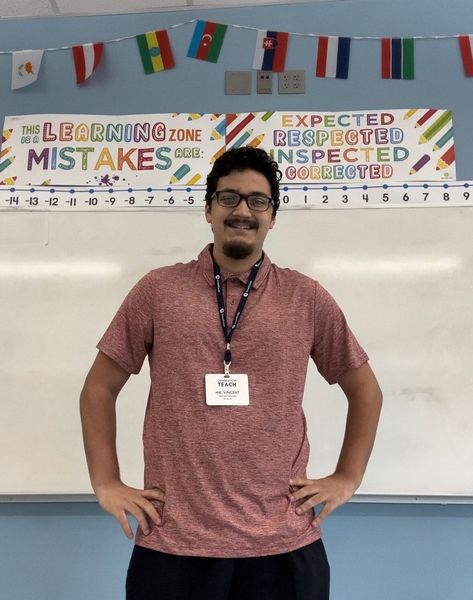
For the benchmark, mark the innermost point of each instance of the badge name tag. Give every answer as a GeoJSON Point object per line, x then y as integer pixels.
{"type": "Point", "coordinates": [226, 391]}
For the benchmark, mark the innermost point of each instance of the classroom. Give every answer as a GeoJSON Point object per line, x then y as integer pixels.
{"type": "Point", "coordinates": [395, 253]}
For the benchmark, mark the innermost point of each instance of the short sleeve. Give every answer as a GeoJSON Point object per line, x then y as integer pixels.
{"type": "Point", "coordinates": [335, 349]}
{"type": "Point", "coordinates": [129, 337]}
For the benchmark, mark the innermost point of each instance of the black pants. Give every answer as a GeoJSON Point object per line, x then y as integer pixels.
{"type": "Point", "coordinates": [303, 574]}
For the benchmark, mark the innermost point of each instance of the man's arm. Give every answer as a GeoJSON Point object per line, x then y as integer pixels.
{"type": "Point", "coordinates": [97, 408]}
{"type": "Point", "coordinates": [364, 406]}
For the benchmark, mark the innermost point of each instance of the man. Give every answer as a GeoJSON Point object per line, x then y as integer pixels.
{"type": "Point", "coordinates": [227, 512]}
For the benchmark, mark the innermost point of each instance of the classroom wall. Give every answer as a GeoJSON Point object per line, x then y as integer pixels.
{"type": "Point", "coordinates": [376, 552]}
{"type": "Point", "coordinates": [73, 551]}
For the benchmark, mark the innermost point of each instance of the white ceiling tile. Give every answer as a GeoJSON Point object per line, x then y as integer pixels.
{"type": "Point", "coordinates": [217, 3]}
{"type": "Point", "coordinates": [46, 8]}
{"type": "Point", "coordinates": [72, 7]}
{"type": "Point", "coordinates": [25, 8]}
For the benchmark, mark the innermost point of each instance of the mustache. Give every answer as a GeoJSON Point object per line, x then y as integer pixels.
{"type": "Point", "coordinates": [249, 222]}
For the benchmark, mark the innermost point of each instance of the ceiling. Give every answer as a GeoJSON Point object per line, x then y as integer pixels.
{"type": "Point", "coordinates": [26, 9]}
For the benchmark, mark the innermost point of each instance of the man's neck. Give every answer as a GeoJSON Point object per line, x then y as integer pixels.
{"type": "Point", "coordinates": [234, 265]}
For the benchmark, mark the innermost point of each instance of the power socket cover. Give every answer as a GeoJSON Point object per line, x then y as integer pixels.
{"type": "Point", "coordinates": [237, 82]}
{"type": "Point", "coordinates": [264, 82]}
{"type": "Point", "coordinates": [291, 82]}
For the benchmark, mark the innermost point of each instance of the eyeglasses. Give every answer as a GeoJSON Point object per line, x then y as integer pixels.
{"type": "Point", "coordinates": [257, 202]}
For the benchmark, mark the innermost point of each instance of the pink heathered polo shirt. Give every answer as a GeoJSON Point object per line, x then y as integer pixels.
{"type": "Point", "coordinates": [225, 470]}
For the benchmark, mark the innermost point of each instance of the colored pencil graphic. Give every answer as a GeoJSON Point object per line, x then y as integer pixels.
{"type": "Point", "coordinates": [419, 164]}
{"type": "Point", "coordinates": [8, 181]}
{"type": "Point", "coordinates": [6, 163]}
{"type": "Point", "coordinates": [219, 130]}
{"type": "Point", "coordinates": [267, 115]}
{"type": "Point", "coordinates": [241, 125]}
{"type": "Point", "coordinates": [444, 139]}
{"type": "Point", "coordinates": [425, 117]}
{"type": "Point", "coordinates": [218, 154]}
{"type": "Point", "coordinates": [242, 139]}
{"type": "Point", "coordinates": [409, 113]}
{"type": "Point", "coordinates": [446, 159]}
{"type": "Point", "coordinates": [193, 116]}
{"type": "Point", "coordinates": [256, 141]}
{"type": "Point", "coordinates": [179, 174]}
{"type": "Point", "coordinates": [194, 179]}
{"type": "Point", "coordinates": [5, 151]}
{"type": "Point", "coordinates": [6, 135]}
{"type": "Point", "coordinates": [436, 127]}
{"type": "Point", "coordinates": [230, 117]}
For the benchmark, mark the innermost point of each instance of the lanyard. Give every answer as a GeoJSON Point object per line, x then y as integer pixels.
{"type": "Point", "coordinates": [227, 360]}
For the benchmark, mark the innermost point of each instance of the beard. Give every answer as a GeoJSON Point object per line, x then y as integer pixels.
{"type": "Point", "coordinates": [237, 250]}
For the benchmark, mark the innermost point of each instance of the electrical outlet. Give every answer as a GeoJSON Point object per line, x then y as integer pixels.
{"type": "Point", "coordinates": [237, 82]}
{"type": "Point", "coordinates": [264, 82]}
{"type": "Point", "coordinates": [291, 82]}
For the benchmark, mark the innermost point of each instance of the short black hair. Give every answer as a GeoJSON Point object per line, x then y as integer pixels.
{"type": "Point", "coordinates": [239, 159]}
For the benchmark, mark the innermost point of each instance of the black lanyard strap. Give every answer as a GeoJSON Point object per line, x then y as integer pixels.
{"type": "Point", "coordinates": [241, 305]}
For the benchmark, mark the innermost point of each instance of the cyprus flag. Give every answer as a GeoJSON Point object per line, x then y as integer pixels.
{"type": "Point", "coordinates": [25, 67]}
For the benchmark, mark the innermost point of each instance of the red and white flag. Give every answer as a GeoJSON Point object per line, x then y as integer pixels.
{"type": "Point", "coordinates": [25, 67]}
{"type": "Point", "coordinates": [333, 56]}
{"type": "Point", "coordinates": [466, 49]}
{"type": "Point", "coordinates": [86, 60]}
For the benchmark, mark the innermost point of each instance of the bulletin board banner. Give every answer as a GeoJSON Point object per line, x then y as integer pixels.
{"type": "Point", "coordinates": [178, 149]}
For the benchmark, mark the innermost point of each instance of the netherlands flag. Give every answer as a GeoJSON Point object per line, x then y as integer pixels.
{"type": "Point", "coordinates": [397, 58]}
{"type": "Point", "coordinates": [270, 52]}
{"type": "Point", "coordinates": [86, 60]}
{"type": "Point", "coordinates": [466, 45]}
{"type": "Point", "coordinates": [333, 56]}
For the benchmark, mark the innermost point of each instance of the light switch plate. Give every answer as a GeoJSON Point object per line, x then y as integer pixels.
{"type": "Point", "coordinates": [264, 82]}
{"type": "Point", "coordinates": [291, 82]}
{"type": "Point", "coordinates": [237, 82]}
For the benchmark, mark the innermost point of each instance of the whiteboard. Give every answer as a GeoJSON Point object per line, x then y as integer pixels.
{"type": "Point", "coordinates": [403, 276]}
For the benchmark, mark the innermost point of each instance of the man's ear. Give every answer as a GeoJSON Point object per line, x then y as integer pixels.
{"type": "Point", "coordinates": [273, 222]}
{"type": "Point", "coordinates": [208, 212]}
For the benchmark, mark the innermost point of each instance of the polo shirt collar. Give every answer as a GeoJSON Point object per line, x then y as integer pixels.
{"type": "Point", "coordinates": [206, 265]}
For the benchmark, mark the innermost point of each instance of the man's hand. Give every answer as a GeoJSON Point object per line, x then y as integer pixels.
{"type": "Point", "coordinates": [332, 491]}
{"type": "Point", "coordinates": [118, 499]}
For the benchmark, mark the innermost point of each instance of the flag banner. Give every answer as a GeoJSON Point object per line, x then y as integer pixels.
{"type": "Point", "coordinates": [207, 41]}
{"type": "Point", "coordinates": [86, 59]}
{"type": "Point", "coordinates": [397, 58]}
{"type": "Point", "coordinates": [25, 67]}
{"type": "Point", "coordinates": [466, 46]}
{"type": "Point", "coordinates": [155, 51]}
{"type": "Point", "coordinates": [270, 51]}
{"type": "Point", "coordinates": [179, 149]}
{"type": "Point", "coordinates": [333, 57]}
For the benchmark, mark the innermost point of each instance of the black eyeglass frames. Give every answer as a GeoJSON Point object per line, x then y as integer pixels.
{"type": "Point", "coordinates": [228, 199]}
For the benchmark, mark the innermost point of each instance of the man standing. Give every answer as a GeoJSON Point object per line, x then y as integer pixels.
{"type": "Point", "coordinates": [227, 510]}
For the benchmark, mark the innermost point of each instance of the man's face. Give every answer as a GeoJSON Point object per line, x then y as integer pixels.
{"type": "Point", "coordinates": [240, 232]}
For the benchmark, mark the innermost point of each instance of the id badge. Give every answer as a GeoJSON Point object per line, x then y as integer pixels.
{"type": "Point", "coordinates": [226, 391]}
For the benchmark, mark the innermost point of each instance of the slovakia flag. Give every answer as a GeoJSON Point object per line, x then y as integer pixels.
{"type": "Point", "coordinates": [270, 52]}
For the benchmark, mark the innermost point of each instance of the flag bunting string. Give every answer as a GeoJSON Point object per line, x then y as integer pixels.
{"type": "Point", "coordinates": [234, 25]}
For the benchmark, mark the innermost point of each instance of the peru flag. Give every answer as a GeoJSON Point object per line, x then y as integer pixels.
{"type": "Point", "coordinates": [270, 52]}
{"type": "Point", "coordinates": [86, 60]}
{"type": "Point", "coordinates": [466, 45]}
{"type": "Point", "coordinates": [333, 56]}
